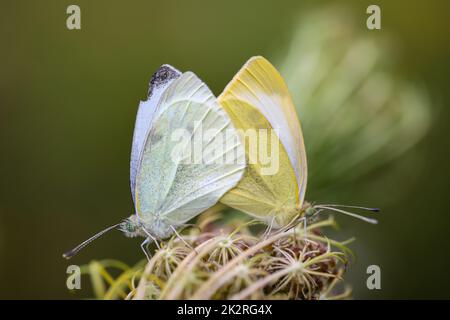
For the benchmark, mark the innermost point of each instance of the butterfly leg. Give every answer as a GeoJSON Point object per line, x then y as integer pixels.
{"type": "Point", "coordinates": [302, 220]}
{"type": "Point", "coordinates": [181, 238]}
{"type": "Point", "coordinates": [153, 238]}
{"type": "Point", "coordinates": [144, 246]}
{"type": "Point", "coordinates": [269, 228]}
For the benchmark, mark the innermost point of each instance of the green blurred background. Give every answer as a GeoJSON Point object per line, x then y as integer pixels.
{"type": "Point", "coordinates": [68, 100]}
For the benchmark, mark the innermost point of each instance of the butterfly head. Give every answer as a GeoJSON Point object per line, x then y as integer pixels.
{"type": "Point", "coordinates": [131, 227]}
{"type": "Point", "coordinates": [309, 212]}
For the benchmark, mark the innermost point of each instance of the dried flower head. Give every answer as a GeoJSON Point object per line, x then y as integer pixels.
{"type": "Point", "coordinates": [216, 259]}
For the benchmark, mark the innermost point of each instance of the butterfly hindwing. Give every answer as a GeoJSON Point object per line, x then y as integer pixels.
{"type": "Point", "coordinates": [259, 193]}
{"type": "Point", "coordinates": [171, 188]}
{"type": "Point", "coordinates": [259, 84]}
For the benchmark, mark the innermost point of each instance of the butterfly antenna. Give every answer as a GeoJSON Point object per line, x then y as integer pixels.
{"type": "Point", "coordinates": [354, 215]}
{"type": "Point", "coordinates": [351, 207]}
{"type": "Point", "coordinates": [74, 251]}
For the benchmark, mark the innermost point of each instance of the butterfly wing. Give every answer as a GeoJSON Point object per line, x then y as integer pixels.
{"type": "Point", "coordinates": [160, 81]}
{"type": "Point", "coordinates": [260, 194]}
{"type": "Point", "coordinates": [260, 85]}
{"type": "Point", "coordinates": [171, 188]}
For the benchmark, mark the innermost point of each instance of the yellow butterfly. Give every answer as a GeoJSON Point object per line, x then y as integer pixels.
{"type": "Point", "coordinates": [259, 104]}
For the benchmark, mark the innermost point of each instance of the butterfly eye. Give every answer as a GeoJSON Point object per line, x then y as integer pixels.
{"type": "Point", "coordinates": [309, 212]}
{"type": "Point", "coordinates": [129, 226]}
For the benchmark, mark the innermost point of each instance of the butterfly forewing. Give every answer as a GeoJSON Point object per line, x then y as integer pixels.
{"type": "Point", "coordinates": [174, 182]}
{"type": "Point", "coordinates": [159, 82]}
{"type": "Point", "coordinates": [259, 84]}
{"type": "Point", "coordinates": [260, 194]}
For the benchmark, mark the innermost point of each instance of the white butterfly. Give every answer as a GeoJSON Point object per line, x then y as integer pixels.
{"type": "Point", "coordinates": [168, 190]}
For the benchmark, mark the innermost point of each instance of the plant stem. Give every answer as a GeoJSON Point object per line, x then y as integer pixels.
{"type": "Point", "coordinates": [140, 291]}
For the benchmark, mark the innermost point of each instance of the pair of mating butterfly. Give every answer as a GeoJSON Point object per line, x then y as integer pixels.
{"type": "Point", "coordinates": [167, 192]}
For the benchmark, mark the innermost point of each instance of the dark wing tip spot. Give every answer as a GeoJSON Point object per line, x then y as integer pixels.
{"type": "Point", "coordinates": [164, 74]}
